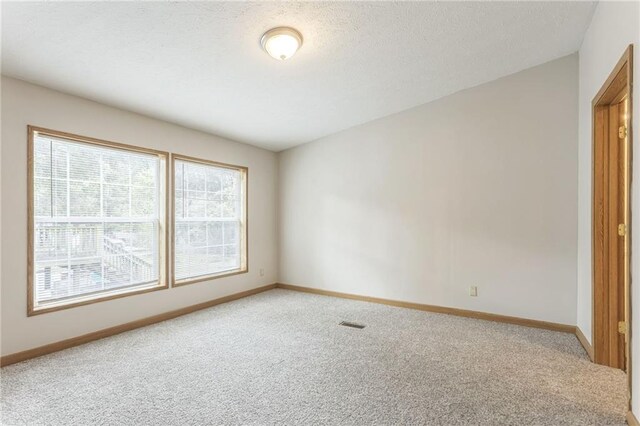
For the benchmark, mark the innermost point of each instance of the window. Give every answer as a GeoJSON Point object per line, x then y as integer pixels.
{"type": "Point", "coordinates": [209, 226]}
{"type": "Point", "coordinates": [97, 220]}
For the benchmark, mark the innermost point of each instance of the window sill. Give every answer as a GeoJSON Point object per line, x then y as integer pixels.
{"type": "Point", "coordinates": [87, 300]}
{"type": "Point", "coordinates": [186, 281]}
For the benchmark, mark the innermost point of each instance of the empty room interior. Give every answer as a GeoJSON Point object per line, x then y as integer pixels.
{"type": "Point", "coordinates": [319, 213]}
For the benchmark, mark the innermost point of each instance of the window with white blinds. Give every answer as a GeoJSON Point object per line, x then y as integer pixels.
{"type": "Point", "coordinates": [98, 220]}
{"type": "Point", "coordinates": [209, 220]}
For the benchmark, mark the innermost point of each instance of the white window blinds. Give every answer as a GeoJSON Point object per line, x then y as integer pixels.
{"type": "Point", "coordinates": [97, 219]}
{"type": "Point", "coordinates": [209, 220]}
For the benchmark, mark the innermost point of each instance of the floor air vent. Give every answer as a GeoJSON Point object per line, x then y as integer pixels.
{"type": "Point", "coordinates": [351, 324]}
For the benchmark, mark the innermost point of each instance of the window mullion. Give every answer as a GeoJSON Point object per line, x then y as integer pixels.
{"type": "Point", "coordinates": [206, 214]}
{"type": "Point", "coordinates": [69, 233]}
{"type": "Point", "coordinates": [101, 242]}
{"type": "Point", "coordinates": [130, 227]}
{"type": "Point", "coordinates": [51, 176]}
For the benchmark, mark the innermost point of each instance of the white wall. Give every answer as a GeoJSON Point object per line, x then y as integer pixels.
{"type": "Point", "coordinates": [478, 188]}
{"type": "Point", "coordinates": [614, 26]}
{"type": "Point", "coordinates": [24, 104]}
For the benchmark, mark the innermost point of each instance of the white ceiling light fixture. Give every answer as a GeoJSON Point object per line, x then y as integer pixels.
{"type": "Point", "coordinates": [281, 43]}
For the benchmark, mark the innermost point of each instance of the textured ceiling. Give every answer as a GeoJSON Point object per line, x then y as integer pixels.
{"type": "Point", "coordinates": [199, 64]}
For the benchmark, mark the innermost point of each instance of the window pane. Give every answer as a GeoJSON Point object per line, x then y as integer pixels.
{"type": "Point", "coordinates": [116, 200]}
{"type": "Point", "coordinates": [209, 219]}
{"type": "Point", "coordinates": [96, 225]}
{"type": "Point", "coordinates": [60, 193]}
{"type": "Point", "coordinates": [42, 193]}
{"type": "Point", "coordinates": [144, 204]}
{"type": "Point", "coordinates": [84, 198]}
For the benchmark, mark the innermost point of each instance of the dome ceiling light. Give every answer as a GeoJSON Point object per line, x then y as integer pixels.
{"type": "Point", "coordinates": [281, 43]}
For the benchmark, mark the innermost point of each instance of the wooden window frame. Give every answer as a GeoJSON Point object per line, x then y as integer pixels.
{"type": "Point", "coordinates": [244, 231]}
{"type": "Point", "coordinates": [163, 246]}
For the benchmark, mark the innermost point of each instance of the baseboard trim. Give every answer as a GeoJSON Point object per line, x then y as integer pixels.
{"type": "Point", "coordinates": [631, 419]}
{"type": "Point", "coordinates": [438, 309]}
{"type": "Point", "coordinates": [585, 343]}
{"type": "Point", "coordinates": [111, 331]}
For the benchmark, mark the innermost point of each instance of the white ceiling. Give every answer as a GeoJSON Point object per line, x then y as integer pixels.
{"type": "Point", "coordinates": [199, 64]}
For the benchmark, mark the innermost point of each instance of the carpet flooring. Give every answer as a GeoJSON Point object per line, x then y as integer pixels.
{"type": "Point", "coordinates": [280, 357]}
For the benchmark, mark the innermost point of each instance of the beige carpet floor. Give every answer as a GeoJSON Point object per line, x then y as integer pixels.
{"type": "Point", "coordinates": [280, 357]}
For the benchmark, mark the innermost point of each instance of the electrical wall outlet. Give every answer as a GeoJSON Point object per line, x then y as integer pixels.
{"type": "Point", "coordinates": [473, 291]}
{"type": "Point", "coordinates": [262, 272]}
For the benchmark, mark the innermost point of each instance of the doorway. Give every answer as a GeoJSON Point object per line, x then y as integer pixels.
{"type": "Point", "coordinates": [611, 237]}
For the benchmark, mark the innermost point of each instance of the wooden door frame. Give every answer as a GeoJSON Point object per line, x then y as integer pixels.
{"type": "Point", "coordinates": [621, 78]}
